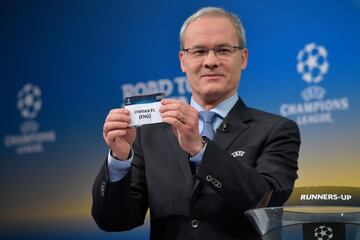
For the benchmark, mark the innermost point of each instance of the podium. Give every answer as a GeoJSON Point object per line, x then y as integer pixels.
{"type": "Point", "coordinates": [310, 213]}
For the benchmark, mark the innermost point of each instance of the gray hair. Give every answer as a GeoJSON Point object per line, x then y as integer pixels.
{"type": "Point", "coordinates": [216, 12]}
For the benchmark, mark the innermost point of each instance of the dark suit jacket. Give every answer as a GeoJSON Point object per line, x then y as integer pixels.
{"type": "Point", "coordinates": [210, 203]}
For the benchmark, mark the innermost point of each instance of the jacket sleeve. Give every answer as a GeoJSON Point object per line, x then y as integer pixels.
{"type": "Point", "coordinates": [121, 205]}
{"type": "Point", "coordinates": [243, 186]}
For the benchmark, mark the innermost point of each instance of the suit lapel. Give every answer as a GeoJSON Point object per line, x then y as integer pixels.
{"type": "Point", "coordinates": [181, 156]}
{"type": "Point", "coordinates": [236, 118]}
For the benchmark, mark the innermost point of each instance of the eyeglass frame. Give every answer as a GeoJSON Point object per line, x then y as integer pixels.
{"type": "Point", "coordinates": [235, 48]}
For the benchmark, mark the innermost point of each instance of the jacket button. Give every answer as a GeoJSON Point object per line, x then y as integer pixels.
{"type": "Point", "coordinates": [214, 181]}
{"type": "Point", "coordinates": [102, 188]}
{"type": "Point", "coordinates": [195, 223]}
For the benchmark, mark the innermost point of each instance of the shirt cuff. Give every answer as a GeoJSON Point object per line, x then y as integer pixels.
{"type": "Point", "coordinates": [196, 159]}
{"type": "Point", "coordinates": [118, 169]}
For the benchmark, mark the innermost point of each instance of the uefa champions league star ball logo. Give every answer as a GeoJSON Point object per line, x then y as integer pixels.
{"type": "Point", "coordinates": [30, 139]}
{"type": "Point", "coordinates": [312, 63]}
{"type": "Point", "coordinates": [29, 101]}
{"type": "Point", "coordinates": [323, 233]}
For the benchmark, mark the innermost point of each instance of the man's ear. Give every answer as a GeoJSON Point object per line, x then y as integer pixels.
{"type": "Point", "coordinates": [244, 58]}
{"type": "Point", "coordinates": [181, 58]}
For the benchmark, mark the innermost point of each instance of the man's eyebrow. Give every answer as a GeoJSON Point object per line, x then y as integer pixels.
{"type": "Point", "coordinates": [199, 46]}
{"type": "Point", "coordinates": [224, 45]}
{"type": "Point", "coordinates": [218, 45]}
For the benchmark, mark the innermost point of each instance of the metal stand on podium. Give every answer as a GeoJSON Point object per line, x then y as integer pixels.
{"type": "Point", "coordinates": [311, 213]}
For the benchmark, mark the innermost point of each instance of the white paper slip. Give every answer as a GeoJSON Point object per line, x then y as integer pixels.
{"type": "Point", "coordinates": [144, 109]}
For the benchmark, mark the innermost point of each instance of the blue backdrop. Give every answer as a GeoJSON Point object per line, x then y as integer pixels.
{"type": "Point", "coordinates": [65, 64]}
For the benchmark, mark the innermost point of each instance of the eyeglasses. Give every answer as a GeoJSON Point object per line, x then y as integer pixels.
{"type": "Point", "coordinates": [221, 52]}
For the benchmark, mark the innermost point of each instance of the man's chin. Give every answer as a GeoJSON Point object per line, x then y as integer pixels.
{"type": "Point", "coordinates": [213, 95]}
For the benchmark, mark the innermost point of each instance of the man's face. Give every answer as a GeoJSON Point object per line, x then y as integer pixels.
{"type": "Point", "coordinates": [212, 79]}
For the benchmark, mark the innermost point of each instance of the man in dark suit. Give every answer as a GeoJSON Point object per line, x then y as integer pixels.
{"type": "Point", "coordinates": [210, 160]}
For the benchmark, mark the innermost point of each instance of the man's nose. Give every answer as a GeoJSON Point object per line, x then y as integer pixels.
{"type": "Point", "coordinates": [211, 61]}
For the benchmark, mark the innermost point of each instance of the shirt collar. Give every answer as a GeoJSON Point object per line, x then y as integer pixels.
{"type": "Point", "coordinates": [222, 109]}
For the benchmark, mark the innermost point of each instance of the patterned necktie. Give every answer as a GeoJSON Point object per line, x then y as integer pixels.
{"type": "Point", "coordinates": [208, 118]}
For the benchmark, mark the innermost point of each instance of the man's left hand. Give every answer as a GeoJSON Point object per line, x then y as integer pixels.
{"type": "Point", "coordinates": [185, 122]}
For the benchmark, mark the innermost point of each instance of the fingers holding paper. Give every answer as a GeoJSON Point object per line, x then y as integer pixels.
{"type": "Point", "coordinates": [184, 120]}
{"type": "Point", "coordinates": [118, 134]}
